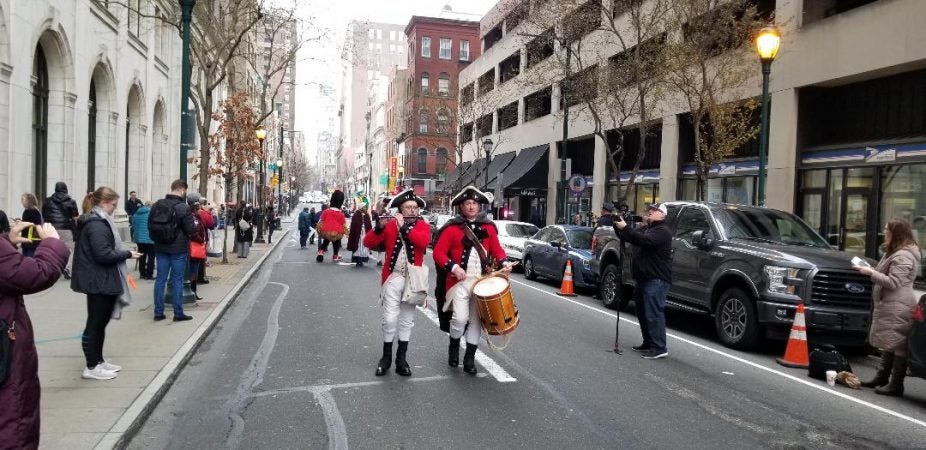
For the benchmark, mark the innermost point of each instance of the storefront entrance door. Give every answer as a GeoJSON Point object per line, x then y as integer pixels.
{"type": "Point", "coordinates": [854, 226]}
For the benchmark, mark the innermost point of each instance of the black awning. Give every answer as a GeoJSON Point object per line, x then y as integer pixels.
{"type": "Point", "coordinates": [456, 174]}
{"type": "Point", "coordinates": [529, 169]}
{"type": "Point", "coordinates": [499, 164]}
{"type": "Point", "coordinates": [475, 170]}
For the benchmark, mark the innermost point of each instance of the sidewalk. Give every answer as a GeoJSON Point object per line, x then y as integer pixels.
{"type": "Point", "coordinates": [78, 413]}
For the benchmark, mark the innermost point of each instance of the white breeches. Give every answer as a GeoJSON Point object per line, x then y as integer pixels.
{"type": "Point", "coordinates": [397, 315]}
{"type": "Point", "coordinates": [464, 312]}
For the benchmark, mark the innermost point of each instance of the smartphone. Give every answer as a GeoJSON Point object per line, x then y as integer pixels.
{"type": "Point", "coordinates": [31, 234]}
{"type": "Point", "coordinates": [860, 262]}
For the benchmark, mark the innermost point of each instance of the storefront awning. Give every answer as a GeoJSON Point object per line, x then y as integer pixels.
{"type": "Point", "coordinates": [454, 176]}
{"type": "Point", "coordinates": [528, 170]}
{"type": "Point", "coordinates": [499, 164]}
{"type": "Point", "coordinates": [475, 170]}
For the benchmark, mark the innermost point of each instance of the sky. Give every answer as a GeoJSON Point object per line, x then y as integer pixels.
{"type": "Point", "coordinates": [319, 60]}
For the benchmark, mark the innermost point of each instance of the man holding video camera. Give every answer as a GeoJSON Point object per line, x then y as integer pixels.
{"type": "Point", "coordinates": [652, 271]}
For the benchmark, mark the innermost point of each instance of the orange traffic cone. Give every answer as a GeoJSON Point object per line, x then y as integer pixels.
{"type": "Point", "coordinates": [567, 289]}
{"type": "Point", "coordinates": [796, 354]}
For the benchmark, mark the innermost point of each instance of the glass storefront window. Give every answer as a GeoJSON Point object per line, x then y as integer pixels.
{"type": "Point", "coordinates": [814, 179]}
{"type": "Point", "coordinates": [715, 190]}
{"type": "Point", "coordinates": [903, 196]}
{"type": "Point", "coordinates": [739, 190]}
{"type": "Point", "coordinates": [860, 177]}
{"type": "Point", "coordinates": [688, 190]}
{"type": "Point", "coordinates": [835, 208]}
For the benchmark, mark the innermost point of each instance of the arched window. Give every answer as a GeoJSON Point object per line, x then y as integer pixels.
{"type": "Point", "coordinates": [441, 160]}
{"type": "Point", "coordinates": [423, 121]}
{"type": "Point", "coordinates": [422, 160]}
{"type": "Point", "coordinates": [443, 121]}
{"type": "Point", "coordinates": [425, 83]}
{"type": "Point", "coordinates": [443, 84]}
{"type": "Point", "coordinates": [40, 121]}
{"type": "Point", "coordinates": [91, 139]}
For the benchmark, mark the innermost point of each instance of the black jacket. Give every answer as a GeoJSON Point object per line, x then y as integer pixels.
{"type": "Point", "coordinates": [60, 209]}
{"type": "Point", "coordinates": [652, 257]}
{"type": "Point", "coordinates": [131, 206]}
{"type": "Point", "coordinates": [185, 224]}
{"type": "Point", "coordinates": [96, 258]}
{"type": "Point", "coordinates": [606, 220]}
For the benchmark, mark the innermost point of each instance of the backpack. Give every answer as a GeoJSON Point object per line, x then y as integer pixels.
{"type": "Point", "coordinates": [162, 223]}
{"type": "Point", "coordinates": [825, 358]}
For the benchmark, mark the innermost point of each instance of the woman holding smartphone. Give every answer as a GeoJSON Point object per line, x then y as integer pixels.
{"type": "Point", "coordinates": [100, 272]}
{"type": "Point", "coordinates": [32, 215]}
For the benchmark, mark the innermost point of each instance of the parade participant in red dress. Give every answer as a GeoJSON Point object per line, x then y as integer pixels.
{"type": "Point", "coordinates": [406, 238]}
{"type": "Point", "coordinates": [331, 227]}
{"type": "Point", "coordinates": [457, 255]}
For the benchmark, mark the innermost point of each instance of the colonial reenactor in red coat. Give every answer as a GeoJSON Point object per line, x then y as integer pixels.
{"type": "Point", "coordinates": [459, 256]}
{"type": "Point", "coordinates": [406, 238]}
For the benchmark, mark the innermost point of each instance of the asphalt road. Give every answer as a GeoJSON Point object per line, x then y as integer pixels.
{"type": "Point", "coordinates": [291, 366]}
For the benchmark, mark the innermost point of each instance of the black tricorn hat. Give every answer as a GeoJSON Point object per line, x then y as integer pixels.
{"type": "Point", "coordinates": [337, 199]}
{"type": "Point", "coordinates": [405, 196]}
{"type": "Point", "coordinates": [469, 193]}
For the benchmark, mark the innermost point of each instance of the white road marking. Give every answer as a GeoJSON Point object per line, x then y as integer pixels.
{"type": "Point", "coordinates": [822, 388]}
{"type": "Point", "coordinates": [289, 390]}
{"type": "Point", "coordinates": [484, 360]}
{"type": "Point", "coordinates": [337, 431]}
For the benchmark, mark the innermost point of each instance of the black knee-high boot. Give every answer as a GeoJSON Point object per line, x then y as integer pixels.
{"type": "Point", "coordinates": [898, 373]}
{"type": "Point", "coordinates": [386, 361]}
{"type": "Point", "coordinates": [401, 365]}
{"type": "Point", "coordinates": [469, 359]}
{"type": "Point", "coordinates": [454, 358]}
{"type": "Point", "coordinates": [884, 371]}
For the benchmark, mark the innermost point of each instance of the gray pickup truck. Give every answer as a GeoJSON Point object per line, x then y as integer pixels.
{"type": "Point", "coordinates": [749, 268]}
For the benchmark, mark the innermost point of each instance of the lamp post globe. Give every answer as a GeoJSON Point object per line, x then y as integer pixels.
{"type": "Point", "coordinates": [768, 42]}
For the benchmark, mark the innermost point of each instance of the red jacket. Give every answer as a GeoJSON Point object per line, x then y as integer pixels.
{"type": "Point", "coordinates": [206, 218]}
{"type": "Point", "coordinates": [418, 236]}
{"type": "Point", "coordinates": [450, 247]}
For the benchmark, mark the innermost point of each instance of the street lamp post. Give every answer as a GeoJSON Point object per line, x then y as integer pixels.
{"type": "Point", "coordinates": [186, 116]}
{"type": "Point", "coordinates": [279, 186]}
{"type": "Point", "coordinates": [261, 134]}
{"type": "Point", "coordinates": [487, 146]}
{"type": "Point", "coordinates": [767, 44]}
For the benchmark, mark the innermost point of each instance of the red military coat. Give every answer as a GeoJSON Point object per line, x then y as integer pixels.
{"type": "Point", "coordinates": [450, 248]}
{"type": "Point", "coordinates": [419, 235]}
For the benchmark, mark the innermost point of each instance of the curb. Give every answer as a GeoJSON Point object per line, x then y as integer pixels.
{"type": "Point", "coordinates": [134, 417]}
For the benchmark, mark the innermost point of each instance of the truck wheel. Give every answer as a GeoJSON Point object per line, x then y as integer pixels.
{"type": "Point", "coordinates": [529, 272]}
{"type": "Point", "coordinates": [735, 319]}
{"type": "Point", "coordinates": [611, 288]}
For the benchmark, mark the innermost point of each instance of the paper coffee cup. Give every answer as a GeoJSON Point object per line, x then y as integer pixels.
{"type": "Point", "coordinates": [831, 377]}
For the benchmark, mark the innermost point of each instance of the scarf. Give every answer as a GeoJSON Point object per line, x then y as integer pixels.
{"type": "Point", "coordinates": [126, 298]}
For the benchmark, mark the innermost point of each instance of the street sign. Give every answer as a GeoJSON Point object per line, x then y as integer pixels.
{"type": "Point", "coordinates": [577, 183]}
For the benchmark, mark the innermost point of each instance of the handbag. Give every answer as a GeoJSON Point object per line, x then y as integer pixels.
{"type": "Point", "coordinates": [243, 225]}
{"type": "Point", "coordinates": [7, 336]}
{"type": "Point", "coordinates": [416, 285]}
{"type": "Point", "coordinates": [826, 358]}
{"type": "Point", "coordinates": [198, 250]}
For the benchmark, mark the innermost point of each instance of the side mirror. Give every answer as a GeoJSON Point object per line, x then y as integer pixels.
{"type": "Point", "coordinates": [700, 241]}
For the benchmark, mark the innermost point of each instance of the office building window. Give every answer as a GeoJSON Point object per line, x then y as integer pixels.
{"type": "Point", "coordinates": [443, 85]}
{"type": "Point", "coordinates": [445, 45]}
{"type": "Point", "coordinates": [425, 84]}
{"type": "Point", "coordinates": [423, 121]}
{"type": "Point", "coordinates": [422, 160]}
{"type": "Point", "coordinates": [425, 47]}
{"type": "Point", "coordinates": [464, 50]}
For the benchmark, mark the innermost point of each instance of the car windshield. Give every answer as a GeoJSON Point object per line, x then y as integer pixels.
{"type": "Point", "coordinates": [580, 238]}
{"type": "Point", "coordinates": [768, 225]}
{"type": "Point", "coordinates": [520, 230]}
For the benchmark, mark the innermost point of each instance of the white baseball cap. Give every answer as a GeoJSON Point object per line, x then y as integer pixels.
{"type": "Point", "coordinates": [659, 207]}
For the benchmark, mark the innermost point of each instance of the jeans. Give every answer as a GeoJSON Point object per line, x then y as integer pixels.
{"type": "Point", "coordinates": [99, 311]}
{"type": "Point", "coordinates": [303, 236]}
{"type": "Point", "coordinates": [173, 264]}
{"type": "Point", "coordinates": [650, 298]}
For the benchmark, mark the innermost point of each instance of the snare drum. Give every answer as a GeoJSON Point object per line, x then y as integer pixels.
{"type": "Point", "coordinates": [495, 305]}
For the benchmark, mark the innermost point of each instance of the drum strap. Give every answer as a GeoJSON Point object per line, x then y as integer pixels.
{"type": "Point", "coordinates": [483, 256]}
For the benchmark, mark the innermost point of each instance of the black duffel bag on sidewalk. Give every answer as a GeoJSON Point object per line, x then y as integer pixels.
{"type": "Point", "coordinates": [825, 358]}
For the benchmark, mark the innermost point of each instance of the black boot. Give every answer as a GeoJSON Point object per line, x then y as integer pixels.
{"type": "Point", "coordinates": [898, 373]}
{"type": "Point", "coordinates": [469, 359]}
{"type": "Point", "coordinates": [401, 365]}
{"type": "Point", "coordinates": [454, 359]}
{"type": "Point", "coordinates": [884, 371]}
{"type": "Point", "coordinates": [386, 361]}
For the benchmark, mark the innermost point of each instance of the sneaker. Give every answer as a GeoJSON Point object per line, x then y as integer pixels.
{"type": "Point", "coordinates": [98, 373]}
{"type": "Point", "coordinates": [653, 354]}
{"type": "Point", "coordinates": [640, 348]}
{"type": "Point", "coordinates": [109, 366]}
{"type": "Point", "coordinates": [320, 257]}
{"type": "Point", "coordinates": [336, 258]}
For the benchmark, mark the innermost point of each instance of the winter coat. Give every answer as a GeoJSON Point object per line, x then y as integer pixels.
{"type": "Point", "coordinates": [132, 206]}
{"type": "Point", "coordinates": [205, 217]}
{"type": "Point", "coordinates": [332, 224]}
{"type": "Point", "coordinates": [60, 209]}
{"type": "Point", "coordinates": [412, 239]}
{"type": "Point", "coordinates": [96, 260]}
{"type": "Point", "coordinates": [140, 226]}
{"type": "Point", "coordinates": [453, 247]}
{"type": "Point", "coordinates": [358, 223]}
{"type": "Point", "coordinates": [19, 396]}
{"type": "Point", "coordinates": [652, 255]}
{"type": "Point", "coordinates": [305, 221]}
{"type": "Point", "coordinates": [894, 299]}
{"type": "Point", "coordinates": [248, 215]}
{"type": "Point", "coordinates": [185, 227]}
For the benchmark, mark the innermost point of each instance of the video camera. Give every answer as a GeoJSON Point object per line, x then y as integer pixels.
{"type": "Point", "coordinates": [623, 210]}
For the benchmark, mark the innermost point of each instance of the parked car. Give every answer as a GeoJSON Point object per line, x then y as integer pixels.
{"type": "Point", "coordinates": [749, 268]}
{"type": "Point", "coordinates": [546, 252]}
{"type": "Point", "coordinates": [512, 235]}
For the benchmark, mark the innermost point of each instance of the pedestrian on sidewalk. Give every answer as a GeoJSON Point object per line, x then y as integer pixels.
{"type": "Point", "coordinates": [101, 274]}
{"type": "Point", "coordinates": [270, 221]}
{"type": "Point", "coordinates": [304, 227]}
{"type": "Point", "coordinates": [894, 301]}
{"type": "Point", "coordinates": [652, 270]}
{"type": "Point", "coordinates": [131, 207]}
{"type": "Point", "coordinates": [61, 211]}
{"type": "Point", "coordinates": [244, 227]}
{"type": "Point", "coordinates": [32, 215]}
{"type": "Point", "coordinates": [315, 218]}
{"type": "Point", "coordinates": [170, 224]}
{"type": "Point", "coordinates": [197, 249]}
{"type": "Point", "coordinates": [207, 218]}
{"type": "Point", "coordinates": [406, 238]}
{"type": "Point", "coordinates": [143, 239]}
{"type": "Point", "coordinates": [359, 224]}
{"type": "Point", "coordinates": [19, 275]}
{"type": "Point", "coordinates": [331, 227]}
